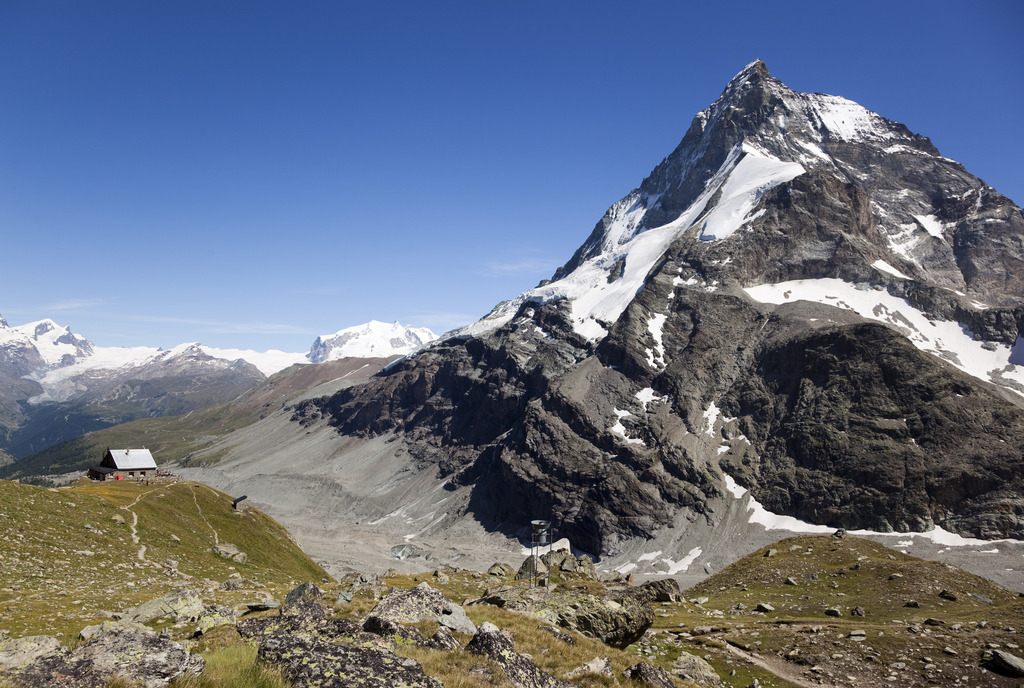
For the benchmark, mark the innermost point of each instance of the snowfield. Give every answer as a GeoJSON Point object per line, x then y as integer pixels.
{"type": "Point", "coordinates": [952, 342]}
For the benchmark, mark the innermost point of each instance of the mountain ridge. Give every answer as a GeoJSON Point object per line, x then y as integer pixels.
{"type": "Point", "coordinates": [57, 384]}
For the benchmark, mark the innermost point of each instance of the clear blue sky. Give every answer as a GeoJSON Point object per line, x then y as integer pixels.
{"type": "Point", "coordinates": [252, 174]}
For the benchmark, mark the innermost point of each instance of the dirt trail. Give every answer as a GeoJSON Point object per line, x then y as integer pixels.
{"type": "Point", "coordinates": [779, 667]}
{"type": "Point", "coordinates": [135, 523]}
{"type": "Point", "coordinates": [216, 537]}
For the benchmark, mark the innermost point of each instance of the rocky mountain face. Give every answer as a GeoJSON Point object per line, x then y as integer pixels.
{"type": "Point", "coordinates": [804, 297]}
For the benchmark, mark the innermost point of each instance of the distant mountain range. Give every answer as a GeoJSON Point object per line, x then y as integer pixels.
{"type": "Point", "coordinates": [55, 384]}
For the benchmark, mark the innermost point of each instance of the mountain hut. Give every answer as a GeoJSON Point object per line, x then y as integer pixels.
{"type": "Point", "coordinates": [119, 464]}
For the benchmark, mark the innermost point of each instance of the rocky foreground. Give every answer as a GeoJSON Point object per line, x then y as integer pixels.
{"type": "Point", "coordinates": [807, 611]}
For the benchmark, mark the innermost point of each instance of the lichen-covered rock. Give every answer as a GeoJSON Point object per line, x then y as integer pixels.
{"type": "Point", "coordinates": [695, 669]}
{"type": "Point", "coordinates": [501, 570]}
{"type": "Point", "coordinates": [90, 632]}
{"type": "Point", "coordinates": [133, 656]}
{"type": "Point", "coordinates": [422, 603]}
{"type": "Point", "coordinates": [17, 652]}
{"type": "Point", "coordinates": [491, 642]}
{"type": "Point", "coordinates": [664, 590]}
{"type": "Point", "coordinates": [229, 551]}
{"type": "Point", "coordinates": [305, 601]}
{"type": "Point", "coordinates": [180, 605]}
{"type": "Point", "coordinates": [213, 616]}
{"type": "Point", "coordinates": [558, 633]}
{"type": "Point", "coordinates": [649, 675]}
{"type": "Point", "coordinates": [318, 663]}
{"type": "Point", "coordinates": [614, 622]}
{"type": "Point", "coordinates": [443, 640]}
{"type": "Point", "coordinates": [306, 593]}
{"type": "Point", "coordinates": [393, 630]}
{"type": "Point", "coordinates": [598, 666]}
{"type": "Point", "coordinates": [532, 568]}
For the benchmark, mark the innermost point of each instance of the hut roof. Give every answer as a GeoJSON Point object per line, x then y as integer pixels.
{"type": "Point", "coordinates": [131, 459]}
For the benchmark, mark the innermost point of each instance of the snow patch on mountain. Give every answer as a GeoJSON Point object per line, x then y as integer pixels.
{"type": "Point", "coordinates": [755, 173]}
{"type": "Point", "coordinates": [372, 339]}
{"type": "Point", "coordinates": [771, 521]}
{"type": "Point", "coordinates": [56, 345]}
{"type": "Point", "coordinates": [597, 297]}
{"type": "Point", "coordinates": [948, 340]}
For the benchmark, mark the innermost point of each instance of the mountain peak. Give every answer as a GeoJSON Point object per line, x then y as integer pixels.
{"type": "Point", "coordinates": [755, 70]}
{"type": "Point", "coordinates": [374, 339]}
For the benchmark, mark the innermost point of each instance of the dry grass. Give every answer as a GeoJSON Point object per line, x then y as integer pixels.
{"type": "Point", "coordinates": [234, 667]}
{"type": "Point", "coordinates": [68, 556]}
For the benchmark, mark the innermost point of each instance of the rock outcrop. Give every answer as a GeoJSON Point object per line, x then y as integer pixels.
{"type": "Point", "coordinates": [615, 622]}
{"type": "Point", "coordinates": [315, 651]}
{"type": "Point", "coordinates": [423, 603]}
{"type": "Point", "coordinates": [491, 642]}
{"type": "Point", "coordinates": [134, 656]}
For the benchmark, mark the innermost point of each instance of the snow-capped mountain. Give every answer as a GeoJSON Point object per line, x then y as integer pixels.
{"type": "Point", "coordinates": [804, 304]}
{"type": "Point", "coordinates": [55, 384]}
{"type": "Point", "coordinates": [371, 340]}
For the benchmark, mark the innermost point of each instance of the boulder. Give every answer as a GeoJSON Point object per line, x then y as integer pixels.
{"type": "Point", "coordinates": [614, 622]}
{"type": "Point", "coordinates": [421, 603]}
{"type": "Point", "coordinates": [532, 567]}
{"type": "Point", "coordinates": [213, 616]}
{"type": "Point", "coordinates": [443, 640]}
{"type": "Point", "coordinates": [135, 657]}
{"type": "Point", "coordinates": [598, 666]}
{"type": "Point", "coordinates": [521, 672]}
{"type": "Point", "coordinates": [501, 570]}
{"type": "Point", "coordinates": [180, 605]}
{"type": "Point", "coordinates": [17, 652]}
{"type": "Point", "coordinates": [229, 551]}
{"type": "Point", "coordinates": [664, 590]}
{"type": "Point", "coordinates": [90, 632]}
{"type": "Point", "coordinates": [693, 668]}
{"type": "Point", "coordinates": [315, 662]}
{"type": "Point", "coordinates": [1006, 664]}
{"type": "Point", "coordinates": [649, 675]}
{"type": "Point", "coordinates": [305, 600]}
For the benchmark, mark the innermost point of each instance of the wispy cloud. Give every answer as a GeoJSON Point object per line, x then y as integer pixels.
{"type": "Point", "coordinates": [73, 305]}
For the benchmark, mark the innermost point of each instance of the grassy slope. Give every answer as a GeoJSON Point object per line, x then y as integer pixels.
{"type": "Point", "coordinates": [172, 438]}
{"type": "Point", "coordinates": [56, 574]}
{"type": "Point", "coordinates": [48, 585]}
{"type": "Point", "coordinates": [798, 640]}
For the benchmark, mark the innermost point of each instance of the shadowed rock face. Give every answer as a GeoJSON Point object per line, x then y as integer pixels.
{"type": "Point", "coordinates": [822, 414]}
